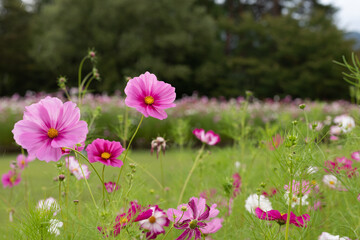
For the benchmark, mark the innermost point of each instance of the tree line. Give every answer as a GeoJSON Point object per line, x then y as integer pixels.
{"type": "Point", "coordinates": [217, 48]}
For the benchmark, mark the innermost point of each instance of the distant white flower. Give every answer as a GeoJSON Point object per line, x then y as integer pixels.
{"type": "Point", "coordinates": [254, 201]}
{"type": "Point", "coordinates": [345, 122]}
{"type": "Point", "coordinates": [317, 126]}
{"type": "Point", "coordinates": [328, 236]}
{"type": "Point", "coordinates": [312, 170]}
{"type": "Point", "coordinates": [237, 164]}
{"type": "Point", "coordinates": [54, 226]}
{"type": "Point", "coordinates": [75, 168]}
{"type": "Point", "coordinates": [295, 200]}
{"type": "Point", "coordinates": [48, 204]}
{"type": "Point", "coordinates": [331, 181]}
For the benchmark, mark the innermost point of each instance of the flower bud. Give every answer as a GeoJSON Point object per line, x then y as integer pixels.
{"type": "Point", "coordinates": [61, 177]}
{"type": "Point", "coordinates": [302, 106]}
{"type": "Point", "coordinates": [183, 209]}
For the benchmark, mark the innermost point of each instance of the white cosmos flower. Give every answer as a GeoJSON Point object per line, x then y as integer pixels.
{"type": "Point", "coordinates": [328, 236]}
{"type": "Point", "coordinates": [254, 201]}
{"type": "Point", "coordinates": [295, 200]}
{"type": "Point", "coordinates": [345, 122]}
{"type": "Point", "coordinates": [54, 226]}
{"type": "Point", "coordinates": [48, 204]}
{"type": "Point", "coordinates": [331, 181]}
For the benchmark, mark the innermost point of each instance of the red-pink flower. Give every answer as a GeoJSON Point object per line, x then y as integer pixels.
{"type": "Point", "coordinates": [49, 125]}
{"type": "Point", "coordinates": [135, 213]}
{"type": "Point", "coordinates": [22, 161]}
{"type": "Point", "coordinates": [276, 142]}
{"type": "Point", "coordinates": [236, 184]}
{"type": "Point", "coordinates": [79, 147]}
{"type": "Point", "coordinates": [356, 156]}
{"type": "Point", "coordinates": [10, 179]}
{"type": "Point", "coordinates": [149, 96]}
{"type": "Point", "coordinates": [106, 152]}
{"type": "Point", "coordinates": [111, 187]}
{"type": "Point", "coordinates": [340, 165]}
{"type": "Point", "coordinates": [275, 215]}
{"type": "Point", "coordinates": [304, 189]}
{"type": "Point", "coordinates": [209, 137]}
{"type": "Point", "coordinates": [155, 223]}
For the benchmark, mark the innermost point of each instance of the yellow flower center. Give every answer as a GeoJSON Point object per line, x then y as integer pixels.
{"type": "Point", "coordinates": [22, 162]}
{"type": "Point", "coordinates": [332, 182]}
{"type": "Point", "coordinates": [149, 100]}
{"type": "Point", "coordinates": [123, 220]}
{"type": "Point", "coordinates": [313, 182]}
{"type": "Point", "coordinates": [152, 219]}
{"type": "Point", "coordinates": [53, 133]}
{"type": "Point", "coordinates": [105, 155]}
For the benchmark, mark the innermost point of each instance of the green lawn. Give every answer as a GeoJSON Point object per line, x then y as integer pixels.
{"type": "Point", "coordinates": [258, 165]}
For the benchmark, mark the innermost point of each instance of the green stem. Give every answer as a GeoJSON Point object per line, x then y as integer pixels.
{"type": "Point", "coordinates": [87, 86]}
{"type": "Point", "coordinates": [87, 184]}
{"type": "Point", "coordinates": [289, 206]}
{"type": "Point", "coordinates": [127, 149]}
{"type": "Point", "coordinates": [103, 178]}
{"type": "Point", "coordinates": [79, 78]}
{"type": "Point", "coordinates": [148, 173]}
{"type": "Point", "coordinates": [190, 173]}
{"type": "Point", "coordinates": [162, 172]}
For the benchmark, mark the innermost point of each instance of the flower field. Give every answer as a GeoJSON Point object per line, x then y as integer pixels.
{"type": "Point", "coordinates": [144, 166]}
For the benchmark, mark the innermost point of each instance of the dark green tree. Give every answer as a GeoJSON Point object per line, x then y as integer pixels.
{"type": "Point", "coordinates": [174, 39]}
{"type": "Point", "coordinates": [16, 65]}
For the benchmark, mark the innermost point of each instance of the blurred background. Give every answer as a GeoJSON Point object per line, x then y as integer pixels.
{"type": "Point", "coordinates": [214, 47]}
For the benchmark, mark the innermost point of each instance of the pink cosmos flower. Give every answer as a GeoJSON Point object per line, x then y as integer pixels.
{"type": "Point", "coordinates": [135, 213]}
{"type": "Point", "coordinates": [236, 184]}
{"type": "Point", "coordinates": [156, 223]}
{"type": "Point", "coordinates": [356, 156]}
{"type": "Point", "coordinates": [111, 187]}
{"type": "Point", "coordinates": [305, 188]}
{"type": "Point", "coordinates": [195, 218]}
{"type": "Point", "coordinates": [106, 152]}
{"type": "Point", "coordinates": [78, 147]}
{"type": "Point", "coordinates": [22, 161]}
{"type": "Point", "coordinates": [275, 215]}
{"type": "Point", "coordinates": [209, 137]}
{"type": "Point", "coordinates": [149, 96]}
{"type": "Point", "coordinates": [276, 142]}
{"type": "Point", "coordinates": [341, 165]}
{"type": "Point", "coordinates": [10, 179]}
{"type": "Point", "coordinates": [49, 125]}
{"type": "Point", "coordinates": [75, 169]}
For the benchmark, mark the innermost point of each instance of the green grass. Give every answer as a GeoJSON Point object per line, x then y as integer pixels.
{"type": "Point", "coordinates": [258, 165]}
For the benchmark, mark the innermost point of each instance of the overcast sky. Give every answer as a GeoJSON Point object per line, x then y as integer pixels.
{"type": "Point", "coordinates": [348, 16]}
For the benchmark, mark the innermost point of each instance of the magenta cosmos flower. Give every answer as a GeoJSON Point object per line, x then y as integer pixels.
{"type": "Point", "coordinates": [155, 223]}
{"type": "Point", "coordinates": [106, 152]}
{"type": "Point", "coordinates": [195, 219]}
{"type": "Point", "coordinates": [275, 215]}
{"type": "Point", "coordinates": [22, 161]}
{"type": "Point", "coordinates": [10, 179]}
{"type": "Point", "coordinates": [135, 213]}
{"type": "Point", "coordinates": [111, 187]}
{"type": "Point", "coordinates": [49, 125]}
{"type": "Point", "coordinates": [209, 137]}
{"type": "Point", "coordinates": [149, 96]}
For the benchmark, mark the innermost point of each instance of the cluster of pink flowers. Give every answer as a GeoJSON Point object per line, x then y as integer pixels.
{"type": "Point", "coordinates": [341, 165]}
{"type": "Point", "coordinates": [75, 169]}
{"type": "Point", "coordinates": [111, 187]}
{"type": "Point", "coordinates": [208, 137]}
{"type": "Point", "coordinates": [13, 176]}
